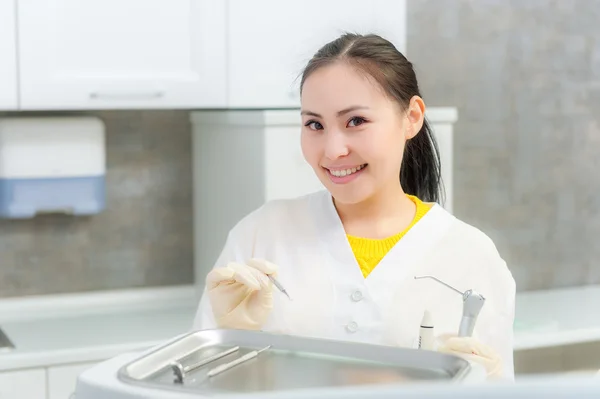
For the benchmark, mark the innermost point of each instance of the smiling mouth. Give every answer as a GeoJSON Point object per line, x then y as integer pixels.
{"type": "Point", "coordinates": [346, 172]}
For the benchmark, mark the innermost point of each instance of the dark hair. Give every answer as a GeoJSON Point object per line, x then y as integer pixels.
{"type": "Point", "coordinates": [420, 172]}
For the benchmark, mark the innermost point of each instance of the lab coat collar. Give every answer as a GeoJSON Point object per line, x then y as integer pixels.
{"type": "Point", "coordinates": [401, 260]}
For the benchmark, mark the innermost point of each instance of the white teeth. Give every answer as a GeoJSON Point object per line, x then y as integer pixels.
{"type": "Point", "coordinates": [346, 172]}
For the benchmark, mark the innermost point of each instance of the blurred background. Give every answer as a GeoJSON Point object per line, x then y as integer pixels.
{"type": "Point", "coordinates": [525, 77]}
{"type": "Point", "coordinates": [178, 99]}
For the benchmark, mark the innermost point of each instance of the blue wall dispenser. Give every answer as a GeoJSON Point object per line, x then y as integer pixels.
{"type": "Point", "coordinates": [52, 165]}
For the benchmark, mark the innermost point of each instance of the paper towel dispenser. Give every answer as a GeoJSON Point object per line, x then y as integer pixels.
{"type": "Point", "coordinates": [50, 165]}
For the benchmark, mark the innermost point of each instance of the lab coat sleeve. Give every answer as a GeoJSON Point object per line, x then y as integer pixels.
{"type": "Point", "coordinates": [506, 323]}
{"type": "Point", "coordinates": [238, 248]}
{"type": "Point", "coordinates": [469, 257]}
{"type": "Point", "coordinates": [500, 335]}
{"type": "Point", "coordinates": [498, 314]}
{"type": "Point", "coordinates": [233, 251]}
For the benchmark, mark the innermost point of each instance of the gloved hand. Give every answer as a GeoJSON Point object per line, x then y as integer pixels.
{"type": "Point", "coordinates": [241, 295]}
{"type": "Point", "coordinates": [472, 350]}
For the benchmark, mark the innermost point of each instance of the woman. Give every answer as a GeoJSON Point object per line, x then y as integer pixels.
{"type": "Point", "coordinates": [348, 255]}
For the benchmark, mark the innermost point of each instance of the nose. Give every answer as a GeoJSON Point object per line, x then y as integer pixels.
{"type": "Point", "coordinates": [335, 145]}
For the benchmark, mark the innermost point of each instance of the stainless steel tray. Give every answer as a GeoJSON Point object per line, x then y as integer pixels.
{"type": "Point", "coordinates": [292, 363]}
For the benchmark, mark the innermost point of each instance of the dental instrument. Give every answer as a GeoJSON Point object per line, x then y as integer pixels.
{"type": "Point", "coordinates": [224, 367]}
{"type": "Point", "coordinates": [426, 332]}
{"type": "Point", "coordinates": [181, 371]}
{"type": "Point", "coordinates": [472, 304]}
{"type": "Point", "coordinates": [279, 286]}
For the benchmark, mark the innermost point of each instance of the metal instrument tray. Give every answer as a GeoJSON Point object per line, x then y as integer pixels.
{"type": "Point", "coordinates": [292, 363]}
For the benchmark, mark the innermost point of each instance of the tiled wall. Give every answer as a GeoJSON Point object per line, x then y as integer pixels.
{"type": "Point", "coordinates": [143, 238]}
{"type": "Point", "coordinates": [525, 76]}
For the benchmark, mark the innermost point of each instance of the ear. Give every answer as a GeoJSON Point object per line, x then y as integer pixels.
{"type": "Point", "coordinates": [415, 115]}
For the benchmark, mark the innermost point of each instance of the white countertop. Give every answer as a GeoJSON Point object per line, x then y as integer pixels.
{"type": "Point", "coordinates": [80, 328]}
{"type": "Point", "coordinates": [557, 317]}
{"type": "Point", "coordinates": [92, 327]}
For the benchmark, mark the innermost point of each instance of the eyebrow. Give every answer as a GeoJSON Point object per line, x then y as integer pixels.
{"type": "Point", "coordinates": [340, 113]}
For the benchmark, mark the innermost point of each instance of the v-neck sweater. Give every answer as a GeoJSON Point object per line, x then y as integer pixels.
{"type": "Point", "coordinates": [369, 252]}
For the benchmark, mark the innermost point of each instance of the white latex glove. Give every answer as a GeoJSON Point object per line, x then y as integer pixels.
{"type": "Point", "coordinates": [241, 295]}
{"type": "Point", "coordinates": [474, 351]}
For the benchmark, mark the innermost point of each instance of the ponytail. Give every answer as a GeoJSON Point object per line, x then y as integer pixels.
{"type": "Point", "coordinates": [420, 172]}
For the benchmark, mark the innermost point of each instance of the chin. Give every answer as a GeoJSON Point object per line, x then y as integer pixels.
{"type": "Point", "coordinates": [347, 196]}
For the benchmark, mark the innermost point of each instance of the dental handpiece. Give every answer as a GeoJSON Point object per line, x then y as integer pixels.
{"type": "Point", "coordinates": [472, 304]}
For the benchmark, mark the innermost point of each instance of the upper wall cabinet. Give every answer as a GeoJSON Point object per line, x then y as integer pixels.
{"type": "Point", "coordinates": [8, 56]}
{"type": "Point", "coordinates": [187, 54]}
{"type": "Point", "coordinates": [270, 41]}
{"type": "Point", "coordinates": [116, 54]}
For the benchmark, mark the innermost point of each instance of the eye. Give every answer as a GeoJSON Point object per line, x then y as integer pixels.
{"type": "Point", "coordinates": [356, 121]}
{"type": "Point", "coordinates": [314, 125]}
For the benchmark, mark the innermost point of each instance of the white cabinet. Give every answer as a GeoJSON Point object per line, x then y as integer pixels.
{"type": "Point", "coordinates": [63, 379]}
{"type": "Point", "coordinates": [8, 56]}
{"type": "Point", "coordinates": [30, 384]}
{"type": "Point", "coordinates": [270, 41]}
{"type": "Point", "coordinates": [286, 173]}
{"type": "Point", "coordinates": [442, 122]}
{"type": "Point", "coordinates": [115, 54]}
{"type": "Point", "coordinates": [187, 54]}
{"type": "Point", "coordinates": [241, 159]}
{"type": "Point", "coordinates": [55, 382]}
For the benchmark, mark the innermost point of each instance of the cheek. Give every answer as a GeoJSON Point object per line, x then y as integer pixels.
{"type": "Point", "coordinates": [387, 148]}
{"type": "Point", "coordinates": [386, 156]}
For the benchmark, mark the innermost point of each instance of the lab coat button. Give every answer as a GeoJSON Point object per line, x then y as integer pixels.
{"type": "Point", "coordinates": [356, 296]}
{"type": "Point", "coordinates": [352, 327]}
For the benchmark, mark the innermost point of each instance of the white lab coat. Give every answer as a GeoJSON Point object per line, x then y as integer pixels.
{"type": "Point", "coordinates": [332, 299]}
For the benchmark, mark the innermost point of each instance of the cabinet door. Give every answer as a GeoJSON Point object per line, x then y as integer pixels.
{"type": "Point", "coordinates": [8, 56]}
{"type": "Point", "coordinates": [115, 54]}
{"type": "Point", "coordinates": [30, 384]}
{"type": "Point", "coordinates": [62, 380]}
{"type": "Point", "coordinates": [271, 41]}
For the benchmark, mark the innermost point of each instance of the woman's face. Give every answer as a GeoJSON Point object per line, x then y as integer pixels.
{"type": "Point", "coordinates": [353, 134]}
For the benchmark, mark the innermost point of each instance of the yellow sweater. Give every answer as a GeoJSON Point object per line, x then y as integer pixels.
{"type": "Point", "coordinates": [369, 252]}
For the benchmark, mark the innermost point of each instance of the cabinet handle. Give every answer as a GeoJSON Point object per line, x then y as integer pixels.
{"type": "Point", "coordinates": [97, 95]}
